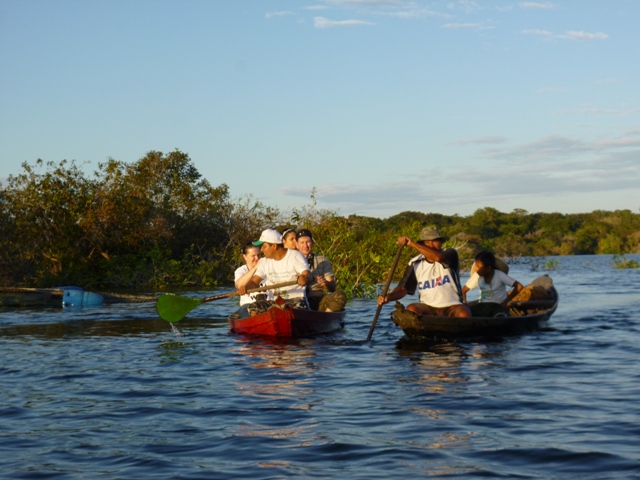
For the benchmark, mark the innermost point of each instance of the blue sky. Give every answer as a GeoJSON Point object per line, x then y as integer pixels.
{"type": "Point", "coordinates": [382, 105]}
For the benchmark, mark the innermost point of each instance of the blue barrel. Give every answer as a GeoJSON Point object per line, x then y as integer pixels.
{"type": "Point", "coordinates": [76, 297]}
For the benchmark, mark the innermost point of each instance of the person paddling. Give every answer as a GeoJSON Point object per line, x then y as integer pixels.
{"type": "Point", "coordinates": [434, 273]}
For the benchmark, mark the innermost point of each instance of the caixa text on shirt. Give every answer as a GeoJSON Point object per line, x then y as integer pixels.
{"type": "Point", "coordinates": [434, 283]}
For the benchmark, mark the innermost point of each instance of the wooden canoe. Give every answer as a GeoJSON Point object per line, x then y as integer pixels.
{"type": "Point", "coordinates": [288, 322]}
{"type": "Point", "coordinates": [31, 297]}
{"type": "Point", "coordinates": [65, 297]}
{"type": "Point", "coordinates": [535, 314]}
{"type": "Point", "coordinates": [49, 297]}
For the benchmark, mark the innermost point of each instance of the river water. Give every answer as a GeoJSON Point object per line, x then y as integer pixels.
{"type": "Point", "coordinates": [113, 392]}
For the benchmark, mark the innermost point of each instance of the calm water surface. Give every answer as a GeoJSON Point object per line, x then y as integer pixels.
{"type": "Point", "coordinates": [113, 392]}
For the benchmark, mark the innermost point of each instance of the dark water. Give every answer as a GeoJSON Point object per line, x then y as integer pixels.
{"type": "Point", "coordinates": [112, 392]}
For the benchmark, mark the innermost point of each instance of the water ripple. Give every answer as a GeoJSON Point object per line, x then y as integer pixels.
{"type": "Point", "coordinates": [115, 393]}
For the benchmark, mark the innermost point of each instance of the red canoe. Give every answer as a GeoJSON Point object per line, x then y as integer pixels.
{"type": "Point", "coordinates": [289, 322]}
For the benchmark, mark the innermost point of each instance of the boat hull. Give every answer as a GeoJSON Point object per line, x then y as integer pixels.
{"type": "Point", "coordinates": [31, 297]}
{"type": "Point", "coordinates": [425, 326]}
{"type": "Point", "coordinates": [288, 322]}
{"type": "Point", "coordinates": [49, 297]}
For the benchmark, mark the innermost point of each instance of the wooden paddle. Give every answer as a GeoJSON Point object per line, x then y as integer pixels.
{"type": "Point", "coordinates": [173, 308]}
{"type": "Point", "coordinates": [384, 292]}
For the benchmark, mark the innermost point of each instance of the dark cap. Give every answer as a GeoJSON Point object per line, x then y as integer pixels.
{"type": "Point", "coordinates": [430, 233]}
{"type": "Point", "coordinates": [304, 233]}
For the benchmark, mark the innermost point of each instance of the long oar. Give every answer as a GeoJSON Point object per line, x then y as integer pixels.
{"type": "Point", "coordinates": [384, 292]}
{"type": "Point", "coordinates": [173, 308]}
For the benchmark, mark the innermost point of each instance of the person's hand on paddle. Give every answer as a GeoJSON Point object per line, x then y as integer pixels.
{"type": "Point", "coordinates": [395, 294]}
{"type": "Point", "coordinates": [383, 299]}
{"type": "Point", "coordinates": [173, 308]}
{"type": "Point", "coordinates": [253, 283]}
{"type": "Point", "coordinates": [303, 279]}
{"type": "Point", "coordinates": [403, 241]}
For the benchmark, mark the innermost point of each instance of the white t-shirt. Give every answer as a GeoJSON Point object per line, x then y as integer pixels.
{"type": "Point", "coordinates": [280, 271]}
{"type": "Point", "coordinates": [240, 271]}
{"type": "Point", "coordinates": [494, 292]}
{"type": "Point", "coordinates": [436, 283]}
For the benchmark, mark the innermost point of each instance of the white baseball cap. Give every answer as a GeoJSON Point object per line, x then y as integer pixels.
{"type": "Point", "coordinates": [269, 236]}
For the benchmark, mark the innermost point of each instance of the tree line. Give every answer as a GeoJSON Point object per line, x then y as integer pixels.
{"type": "Point", "coordinates": [157, 224]}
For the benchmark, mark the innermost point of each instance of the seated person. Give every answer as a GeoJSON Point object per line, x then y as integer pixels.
{"type": "Point", "coordinates": [279, 265]}
{"type": "Point", "coordinates": [493, 284]}
{"type": "Point", "coordinates": [289, 239]}
{"type": "Point", "coordinates": [251, 257]}
{"type": "Point", "coordinates": [434, 273]}
{"type": "Point", "coordinates": [321, 289]}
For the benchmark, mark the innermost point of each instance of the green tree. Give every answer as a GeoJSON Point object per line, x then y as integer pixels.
{"type": "Point", "coordinates": [158, 223]}
{"type": "Point", "coordinates": [157, 209]}
{"type": "Point", "coordinates": [588, 236]}
{"type": "Point", "coordinates": [485, 223]}
{"type": "Point", "coordinates": [128, 225]}
{"type": "Point", "coordinates": [41, 211]}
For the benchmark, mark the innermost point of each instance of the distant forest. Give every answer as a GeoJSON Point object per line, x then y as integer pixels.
{"type": "Point", "coordinates": [157, 224]}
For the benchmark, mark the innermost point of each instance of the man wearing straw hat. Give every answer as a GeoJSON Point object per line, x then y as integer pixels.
{"type": "Point", "coordinates": [434, 273]}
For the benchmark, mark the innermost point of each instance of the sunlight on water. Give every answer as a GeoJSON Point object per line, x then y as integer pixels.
{"type": "Point", "coordinates": [116, 392]}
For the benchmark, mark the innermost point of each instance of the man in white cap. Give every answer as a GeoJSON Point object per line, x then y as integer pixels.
{"type": "Point", "coordinates": [279, 265]}
{"type": "Point", "coordinates": [434, 273]}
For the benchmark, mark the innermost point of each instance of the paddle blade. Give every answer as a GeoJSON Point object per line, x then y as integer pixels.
{"type": "Point", "coordinates": [173, 308]}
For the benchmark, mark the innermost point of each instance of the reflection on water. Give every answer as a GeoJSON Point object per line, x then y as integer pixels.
{"type": "Point", "coordinates": [451, 440]}
{"type": "Point", "coordinates": [441, 371]}
{"type": "Point", "coordinates": [291, 355]}
{"type": "Point", "coordinates": [286, 381]}
{"type": "Point", "coordinates": [114, 393]}
{"type": "Point", "coordinates": [436, 372]}
{"type": "Point", "coordinates": [85, 327]}
{"type": "Point", "coordinates": [172, 351]}
{"type": "Point", "coordinates": [102, 327]}
{"type": "Point", "coordinates": [292, 362]}
{"type": "Point", "coordinates": [439, 363]}
{"type": "Point", "coordinates": [298, 436]}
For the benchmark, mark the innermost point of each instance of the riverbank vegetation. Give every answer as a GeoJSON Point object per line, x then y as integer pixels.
{"type": "Point", "coordinates": [157, 224]}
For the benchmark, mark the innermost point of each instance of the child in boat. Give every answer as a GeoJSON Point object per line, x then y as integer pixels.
{"type": "Point", "coordinates": [493, 284]}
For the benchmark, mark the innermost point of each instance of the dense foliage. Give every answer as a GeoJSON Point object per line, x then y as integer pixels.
{"type": "Point", "coordinates": [157, 224]}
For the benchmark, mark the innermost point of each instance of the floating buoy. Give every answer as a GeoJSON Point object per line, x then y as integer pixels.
{"type": "Point", "coordinates": [76, 297]}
